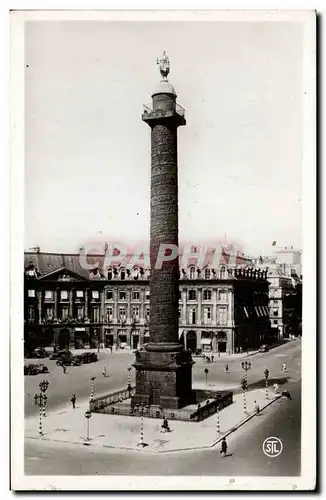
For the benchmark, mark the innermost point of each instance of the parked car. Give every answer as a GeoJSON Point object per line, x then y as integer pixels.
{"type": "Point", "coordinates": [77, 360]}
{"type": "Point", "coordinates": [36, 353]}
{"type": "Point", "coordinates": [42, 353]}
{"type": "Point", "coordinates": [30, 370]}
{"type": "Point", "coordinates": [89, 357]}
{"type": "Point", "coordinates": [35, 369]}
{"type": "Point", "coordinates": [60, 354]}
{"type": "Point", "coordinates": [41, 368]}
{"type": "Point", "coordinates": [264, 348]}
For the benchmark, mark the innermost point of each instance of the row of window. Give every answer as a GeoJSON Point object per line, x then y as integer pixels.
{"type": "Point", "coordinates": [135, 294]}
{"type": "Point", "coordinates": [192, 273]}
{"type": "Point", "coordinates": [222, 315]}
{"type": "Point", "coordinates": [64, 294]}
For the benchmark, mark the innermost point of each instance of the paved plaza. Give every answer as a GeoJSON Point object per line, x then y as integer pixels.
{"type": "Point", "coordinates": [69, 425]}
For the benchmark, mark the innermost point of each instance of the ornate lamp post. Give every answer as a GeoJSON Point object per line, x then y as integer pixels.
{"type": "Point", "coordinates": [266, 373]}
{"type": "Point", "coordinates": [93, 388]}
{"type": "Point", "coordinates": [141, 440]}
{"type": "Point", "coordinates": [88, 415]}
{"type": "Point", "coordinates": [42, 399]}
{"type": "Point", "coordinates": [129, 389]}
{"type": "Point", "coordinates": [206, 374]}
{"type": "Point", "coordinates": [218, 428]}
{"type": "Point", "coordinates": [246, 365]}
{"type": "Point", "coordinates": [244, 387]}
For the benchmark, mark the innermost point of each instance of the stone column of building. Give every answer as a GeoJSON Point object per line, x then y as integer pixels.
{"type": "Point", "coordinates": [56, 303]}
{"type": "Point", "coordinates": [142, 306]}
{"type": "Point", "coordinates": [163, 369]}
{"type": "Point", "coordinates": [71, 304]}
{"type": "Point", "coordinates": [214, 310]}
{"type": "Point", "coordinates": [199, 308]}
{"type": "Point", "coordinates": [102, 317]}
{"type": "Point", "coordinates": [39, 305]}
{"type": "Point", "coordinates": [184, 305]}
{"type": "Point", "coordinates": [86, 302]}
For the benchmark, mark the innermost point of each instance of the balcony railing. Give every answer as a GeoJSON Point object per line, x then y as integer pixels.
{"type": "Point", "coordinates": [148, 108]}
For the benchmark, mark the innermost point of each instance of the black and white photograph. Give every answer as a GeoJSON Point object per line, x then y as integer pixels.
{"type": "Point", "coordinates": [163, 204]}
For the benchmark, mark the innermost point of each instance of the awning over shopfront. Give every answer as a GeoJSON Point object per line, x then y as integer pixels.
{"type": "Point", "coordinates": [205, 341]}
{"type": "Point", "coordinates": [181, 331]}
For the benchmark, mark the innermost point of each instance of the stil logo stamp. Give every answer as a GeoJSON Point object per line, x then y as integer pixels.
{"type": "Point", "coordinates": [272, 447]}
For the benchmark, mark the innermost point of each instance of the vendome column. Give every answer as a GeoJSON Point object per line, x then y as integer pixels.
{"type": "Point", "coordinates": [163, 368]}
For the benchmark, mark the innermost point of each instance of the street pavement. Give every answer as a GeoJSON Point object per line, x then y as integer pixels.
{"type": "Point", "coordinates": [77, 381]}
{"type": "Point", "coordinates": [68, 425]}
{"type": "Point", "coordinates": [282, 419]}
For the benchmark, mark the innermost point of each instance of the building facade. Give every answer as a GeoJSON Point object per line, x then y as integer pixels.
{"type": "Point", "coordinates": [223, 309]}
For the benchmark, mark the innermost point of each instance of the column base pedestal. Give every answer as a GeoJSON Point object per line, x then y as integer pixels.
{"type": "Point", "coordinates": [163, 378]}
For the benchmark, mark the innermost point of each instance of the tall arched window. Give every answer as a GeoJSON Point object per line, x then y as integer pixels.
{"type": "Point", "coordinates": [192, 273]}
{"type": "Point", "coordinates": [110, 273]}
{"type": "Point", "coordinates": [207, 273]}
{"type": "Point", "coordinates": [223, 273]}
{"type": "Point", "coordinates": [122, 274]}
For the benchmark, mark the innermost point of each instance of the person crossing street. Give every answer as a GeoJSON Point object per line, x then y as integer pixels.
{"type": "Point", "coordinates": [224, 448]}
{"type": "Point", "coordinates": [73, 400]}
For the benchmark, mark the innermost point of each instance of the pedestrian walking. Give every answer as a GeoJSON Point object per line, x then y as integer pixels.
{"type": "Point", "coordinates": [64, 368]}
{"type": "Point", "coordinates": [224, 448]}
{"type": "Point", "coordinates": [36, 399]}
{"type": "Point", "coordinates": [212, 358]}
{"type": "Point", "coordinates": [129, 389]}
{"type": "Point", "coordinates": [256, 407]}
{"type": "Point", "coordinates": [227, 368]}
{"type": "Point", "coordinates": [73, 400]}
{"type": "Point", "coordinates": [284, 366]}
{"type": "Point", "coordinates": [105, 374]}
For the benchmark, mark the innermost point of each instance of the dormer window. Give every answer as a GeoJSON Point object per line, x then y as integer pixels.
{"type": "Point", "coordinates": [110, 273]}
{"type": "Point", "coordinates": [122, 274]}
{"type": "Point", "coordinates": [207, 273]}
{"type": "Point", "coordinates": [64, 295]}
{"type": "Point", "coordinates": [48, 295]}
{"type": "Point", "coordinates": [95, 294]}
{"type": "Point", "coordinates": [79, 294]}
{"type": "Point", "coordinates": [222, 273]}
{"type": "Point", "coordinates": [135, 273]}
{"type": "Point", "coordinates": [192, 273]}
{"type": "Point", "coordinates": [31, 293]}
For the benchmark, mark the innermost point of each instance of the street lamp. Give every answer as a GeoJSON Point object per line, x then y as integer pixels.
{"type": "Point", "coordinates": [93, 388]}
{"type": "Point", "coordinates": [218, 428]}
{"type": "Point", "coordinates": [206, 374]}
{"type": "Point", "coordinates": [88, 415]}
{"type": "Point", "coordinates": [41, 400]}
{"type": "Point", "coordinates": [129, 381]}
{"type": "Point", "coordinates": [244, 387]}
{"type": "Point", "coordinates": [141, 441]}
{"type": "Point", "coordinates": [266, 373]}
{"type": "Point", "coordinates": [246, 365]}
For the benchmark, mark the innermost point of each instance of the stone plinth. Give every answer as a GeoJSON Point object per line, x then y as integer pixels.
{"type": "Point", "coordinates": [163, 379]}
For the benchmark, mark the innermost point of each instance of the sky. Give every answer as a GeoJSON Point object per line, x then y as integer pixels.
{"type": "Point", "coordinates": [87, 151]}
